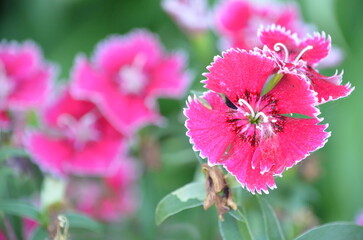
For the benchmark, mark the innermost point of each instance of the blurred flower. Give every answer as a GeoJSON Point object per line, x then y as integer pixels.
{"type": "Point", "coordinates": [359, 218]}
{"type": "Point", "coordinates": [126, 76]}
{"type": "Point", "coordinates": [295, 55]}
{"type": "Point", "coordinates": [233, 125]}
{"type": "Point", "coordinates": [2, 236]}
{"type": "Point", "coordinates": [107, 199]}
{"type": "Point", "coordinates": [4, 120]}
{"type": "Point", "coordinates": [191, 15]}
{"type": "Point", "coordinates": [80, 140]}
{"type": "Point", "coordinates": [238, 21]}
{"type": "Point", "coordinates": [25, 77]}
{"type": "Point", "coordinates": [29, 226]}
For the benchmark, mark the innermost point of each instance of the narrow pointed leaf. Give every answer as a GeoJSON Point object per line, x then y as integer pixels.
{"type": "Point", "coordinates": [39, 234]}
{"type": "Point", "coordinates": [188, 196]}
{"type": "Point", "coordinates": [272, 225]}
{"type": "Point", "coordinates": [77, 220]}
{"type": "Point", "coordinates": [232, 229]}
{"type": "Point", "coordinates": [336, 231]}
{"type": "Point", "coordinates": [18, 208]}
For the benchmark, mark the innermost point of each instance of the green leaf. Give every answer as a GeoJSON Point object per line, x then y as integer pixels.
{"type": "Point", "coordinates": [336, 231]}
{"type": "Point", "coordinates": [18, 208]}
{"type": "Point", "coordinates": [232, 229]}
{"type": "Point", "coordinates": [188, 196]}
{"type": "Point", "coordinates": [272, 82]}
{"type": "Point", "coordinates": [272, 225]}
{"type": "Point", "coordinates": [237, 215]}
{"type": "Point", "coordinates": [77, 220]}
{"type": "Point", "coordinates": [296, 115]}
{"type": "Point", "coordinates": [7, 152]}
{"type": "Point", "coordinates": [39, 234]}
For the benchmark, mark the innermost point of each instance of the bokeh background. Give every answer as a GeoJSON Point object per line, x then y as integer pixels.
{"type": "Point", "coordinates": [327, 187]}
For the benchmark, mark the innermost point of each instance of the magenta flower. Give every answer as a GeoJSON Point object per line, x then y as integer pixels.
{"type": "Point", "coordinates": [79, 139]}
{"type": "Point", "coordinates": [126, 76]}
{"type": "Point", "coordinates": [25, 78]}
{"type": "Point", "coordinates": [295, 55]}
{"type": "Point", "coordinates": [5, 121]}
{"type": "Point", "coordinates": [238, 21]}
{"type": "Point", "coordinates": [108, 199]}
{"type": "Point", "coordinates": [359, 218]}
{"type": "Point", "coordinates": [247, 133]}
{"type": "Point", "coordinates": [191, 15]}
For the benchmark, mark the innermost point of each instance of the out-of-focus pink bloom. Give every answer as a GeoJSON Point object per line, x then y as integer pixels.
{"type": "Point", "coordinates": [108, 199]}
{"type": "Point", "coordinates": [247, 133]}
{"type": "Point", "coordinates": [126, 76]}
{"type": "Point", "coordinates": [301, 56]}
{"type": "Point", "coordinates": [191, 15]}
{"type": "Point", "coordinates": [29, 226]}
{"type": "Point", "coordinates": [5, 121]}
{"type": "Point", "coordinates": [79, 141]}
{"type": "Point", "coordinates": [25, 78]}
{"type": "Point", "coordinates": [239, 20]}
{"type": "Point", "coordinates": [359, 218]}
{"type": "Point", "coordinates": [2, 236]}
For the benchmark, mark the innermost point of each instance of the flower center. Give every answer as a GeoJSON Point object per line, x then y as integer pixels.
{"type": "Point", "coordinates": [81, 131]}
{"type": "Point", "coordinates": [255, 117]}
{"type": "Point", "coordinates": [6, 85]}
{"type": "Point", "coordinates": [280, 46]}
{"type": "Point", "coordinates": [132, 78]}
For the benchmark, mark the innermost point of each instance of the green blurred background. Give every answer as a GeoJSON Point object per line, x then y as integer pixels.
{"type": "Point", "coordinates": [64, 28]}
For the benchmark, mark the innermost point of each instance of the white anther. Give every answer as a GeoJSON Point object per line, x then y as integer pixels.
{"type": "Point", "coordinates": [273, 120]}
{"type": "Point", "coordinates": [307, 48]}
{"type": "Point", "coordinates": [279, 46]}
{"type": "Point", "coordinates": [261, 114]}
{"type": "Point", "coordinates": [244, 102]}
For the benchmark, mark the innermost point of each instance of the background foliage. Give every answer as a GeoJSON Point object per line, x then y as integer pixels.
{"type": "Point", "coordinates": [64, 28]}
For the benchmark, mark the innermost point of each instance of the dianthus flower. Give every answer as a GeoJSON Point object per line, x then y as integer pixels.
{"type": "Point", "coordinates": [238, 21]}
{"type": "Point", "coordinates": [24, 76]}
{"type": "Point", "coordinates": [301, 56]}
{"type": "Point", "coordinates": [126, 76]}
{"type": "Point", "coordinates": [79, 140]}
{"type": "Point", "coordinates": [110, 198]}
{"type": "Point", "coordinates": [248, 133]}
{"type": "Point", "coordinates": [191, 15]}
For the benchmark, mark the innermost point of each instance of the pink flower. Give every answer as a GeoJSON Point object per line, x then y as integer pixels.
{"type": "Point", "coordinates": [247, 133]}
{"type": "Point", "coordinates": [295, 55]}
{"type": "Point", "coordinates": [79, 140]}
{"type": "Point", "coordinates": [5, 121]}
{"type": "Point", "coordinates": [107, 199]}
{"type": "Point", "coordinates": [126, 76]}
{"type": "Point", "coordinates": [191, 15]}
{"type": "Point", "coordinates": [24, 76]}
{"type": "Point", "coordinates": [2, 236]}
{"type": "Point", "coordinates": [359, 218]}
{"type": "Point", "coordinates": [239, 20]}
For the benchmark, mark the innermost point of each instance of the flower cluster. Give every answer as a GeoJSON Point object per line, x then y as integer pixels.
{"type": "Point", "coordinates": [247, 120]}
{"type": "Point", "coordinates": [85, 130]}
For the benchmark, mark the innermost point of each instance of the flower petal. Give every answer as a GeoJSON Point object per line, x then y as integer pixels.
{"type": "Point", "coordinates": [320, 48]}
{"type": "Point", "coordinates": [294, 96]}
{"type": "Point", "coordinates": [328, 88]}
{"type": "Point", "coordinates": [96, 158]}
{"type": "Point", "coordinates": [48, 153]}
{"type": "Point", "coordinates": [168, 78]}
{"type": "Point", "coordinates": [239, 165]}
{"type": "Point", "coordinates": [237, 72]}
{"type": "Point", "coordinates": [117, 50]}
{"type": "Point", "coordinates": [274, 34]}
{"type": "Point", "coordinates": [207, 128]}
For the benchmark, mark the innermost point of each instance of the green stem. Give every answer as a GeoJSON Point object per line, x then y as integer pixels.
{"type": "Point", "coordinates": [272, 83]}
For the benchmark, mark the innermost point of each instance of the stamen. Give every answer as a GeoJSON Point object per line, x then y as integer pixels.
{"type": "Point", "coordinates": [244, 102]}
{"type": "Point", "coordinates": [307, 48]}
{"type": "Point", "coordinates": [263, 115]}
{"type": "Point", "coordinates": [279, 46]}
